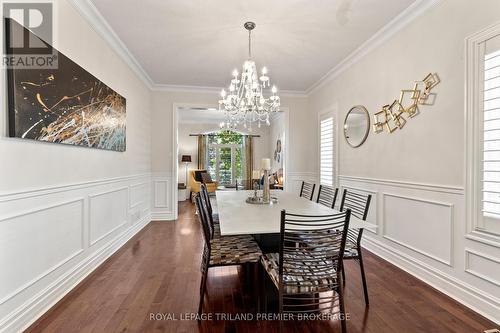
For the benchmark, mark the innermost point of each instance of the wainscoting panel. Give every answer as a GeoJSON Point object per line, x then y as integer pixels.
{"type": "Point", "coordinates": [108, 212]}
{"type": "Point", "coordinates": [411, 221]}
{"type": "Point", "coordinates": [26, 231]}
{"type": "Point", "coordinates": [57, 236]}
{"type": "Point", "coordinates": [161, 193]}
{"type": "Point", "coordinates": [422, 230]}
{"type": "Point", "coordinates": [163, 197]}
{"type": "Point", "coordinates": [139, 194]}
{"type": "Point", "coordinates": [483, 266]}
{"type": "Point", "coordinates": [140, 201]}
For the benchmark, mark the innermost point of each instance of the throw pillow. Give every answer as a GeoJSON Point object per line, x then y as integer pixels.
{"type": "Point", "coordinates": [197, 175]}
{"type": "Point", "coordinates": [206, 179]}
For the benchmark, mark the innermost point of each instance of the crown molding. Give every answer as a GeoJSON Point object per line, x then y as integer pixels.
{"type": "Point", "coordinates": [214, 90]}
{"type": "Point", "coordinates": [411, 13]}
{"type": "Point", "coordinates": [91, 14]}
{"type": "Point", "coordinates": [185, 88]}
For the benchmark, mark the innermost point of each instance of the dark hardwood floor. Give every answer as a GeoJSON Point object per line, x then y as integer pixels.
{"type": "Point", "coordinates": [157, 272]}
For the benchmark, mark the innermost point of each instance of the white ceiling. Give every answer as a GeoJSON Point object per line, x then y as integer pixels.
{"type": "Point", "coordinates": [199, 42]}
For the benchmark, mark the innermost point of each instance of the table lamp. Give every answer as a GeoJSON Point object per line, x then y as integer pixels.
{"type": "Point", "coordinates": [186, 159]}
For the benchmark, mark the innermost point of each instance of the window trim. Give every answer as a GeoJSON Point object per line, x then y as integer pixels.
{"type": "Point", "coordinates": [473, 129]}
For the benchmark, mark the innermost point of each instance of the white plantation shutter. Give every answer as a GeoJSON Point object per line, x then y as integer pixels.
{"type": "Point", "coordinates": [326, 151]}
{"type": "Point", "coordinates": [491, 135]}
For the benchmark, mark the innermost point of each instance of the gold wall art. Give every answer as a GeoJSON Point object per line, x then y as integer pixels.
{"type": "Point", "coordinates": [395, 115]}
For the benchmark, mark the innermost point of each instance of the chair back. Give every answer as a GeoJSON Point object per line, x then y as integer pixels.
{"type": "Point", "coordinates": [317, 262]}
{"type": "Point", "coordinates": [207, 234]}
{"type": "Point", "coordinates": [205, 200]}
{"type": "Point", "coordinates": [327, 196]}
{"type": "Point", "coordinates": [202, 216]}
{"type": "Point", "coordinates": [206, 197]}
{"type": "Point", "coordinates": [359, 204]}
{"type": "Point", "coordinates": [307, 190]}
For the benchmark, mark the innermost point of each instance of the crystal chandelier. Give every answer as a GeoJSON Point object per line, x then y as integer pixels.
{"type": "Point", "coordinates": [245, 103]}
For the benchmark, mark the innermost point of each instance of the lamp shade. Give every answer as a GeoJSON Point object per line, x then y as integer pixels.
{"type": "Point", "coordinates": [265, 164]}
{"type": "Point", "coordinates": [186, 158]}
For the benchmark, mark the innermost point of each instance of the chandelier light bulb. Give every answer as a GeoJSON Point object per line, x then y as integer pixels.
{"type": "Point", "coordinates": [235, 73]}
{"type": "Point", "coordinates": [274, 90]}
{"type": "Point", "coordinates": [264, 70]}
{"type": "Point", "coordinates": [223, 93]}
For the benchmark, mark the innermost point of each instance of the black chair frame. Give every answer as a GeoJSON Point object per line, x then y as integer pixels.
{"type": "Point", "coordinates": [327, 196]}
{"type": "Point", "coordinates": [307, 190]}
{"type": "Point", "coordinates": [359, 205]}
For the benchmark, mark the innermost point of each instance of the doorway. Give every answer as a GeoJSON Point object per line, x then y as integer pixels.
{"type": "Point", "coordinates": [227, 157]}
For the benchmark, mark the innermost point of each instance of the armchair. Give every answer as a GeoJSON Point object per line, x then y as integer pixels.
{"type": "Point", "coordinates": [195, 182]}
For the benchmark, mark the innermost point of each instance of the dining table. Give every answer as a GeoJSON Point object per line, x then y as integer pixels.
{"type": "Point", "coordinates": [262, 221]}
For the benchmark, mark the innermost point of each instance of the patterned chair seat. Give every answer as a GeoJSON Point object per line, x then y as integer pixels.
{"type": "Point", "coordinates": [351, 250]}
{"type": "Point", "coordinates": [312, 281]}
{"type": "Point", "coordinates": [234, 250]}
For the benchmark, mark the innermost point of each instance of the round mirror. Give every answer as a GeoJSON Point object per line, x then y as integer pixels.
{"type": "Point", "coordinates": [356, 126]}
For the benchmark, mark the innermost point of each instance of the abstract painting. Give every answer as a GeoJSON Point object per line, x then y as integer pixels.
{"type": "Point", "coordinates": [65, 105]}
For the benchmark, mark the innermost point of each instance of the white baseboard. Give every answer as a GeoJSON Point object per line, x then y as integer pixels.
{"type": "Point", "coordinates": [29, 312]}
{"type": "Point", "coordinates": [468, 295]}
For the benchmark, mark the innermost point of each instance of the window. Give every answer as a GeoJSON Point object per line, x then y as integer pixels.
{"type": "Point", "coordinates": [326, 150]}
{"type": "Point", "coordinates": [225, 157]}
{"type": "Point", "coordinates": [483, 134]}
{"type": "Point", "coordinates": [490, 51]}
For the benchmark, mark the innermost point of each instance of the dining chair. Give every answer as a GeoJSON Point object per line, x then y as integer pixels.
{"type": "Point", "coordinates": [307, 190]}
{"type": "Point", "coordinates": [309, 274]}
{"type": "Point", "coordinates": [223, 250]}
{"type": "Point", "coordinates": [327, 196]}
{"type": "Point", "coordinates": [213, 219]}
{"type": "Point", "coordinates": [358, 204]}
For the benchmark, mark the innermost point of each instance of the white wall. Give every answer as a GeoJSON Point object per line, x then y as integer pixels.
{"type": "Point", "coordinates": [277, 131]}
{"type": "Point", "coordinates": [65, 209]}
{"type": "Point", "coordinates": [417, 174]}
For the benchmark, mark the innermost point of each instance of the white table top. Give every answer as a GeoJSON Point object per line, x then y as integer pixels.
{"type": "Point", "coordinates": [236, 217]}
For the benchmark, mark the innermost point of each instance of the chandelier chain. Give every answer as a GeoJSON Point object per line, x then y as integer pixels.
{"type": "Point", "coordinates": [249, 44]}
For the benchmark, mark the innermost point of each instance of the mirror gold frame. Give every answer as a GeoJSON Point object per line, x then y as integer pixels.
{"type": "Point", "coordinates": [367, 130]}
